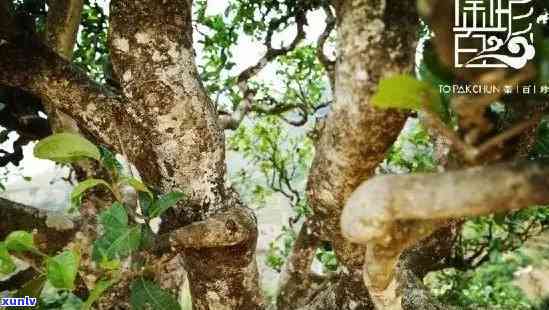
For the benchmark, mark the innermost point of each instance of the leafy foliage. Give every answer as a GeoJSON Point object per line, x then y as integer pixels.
{"type": "Point", "coordinates": [119, 239]}
{"type": "Point", "coordinates": [62, 268]}
{"type": "Point", "coordinates": [7, 265]}
{"type": "Point", "coordinates": [66, 148]}
{"type": "Point", "coordinates": [20, 241]}
{"type": "Point", "coordinates": [412, 152]}
{"type": "Point", "coordinates": [164, 202]}
{"type": "Point", "coordinates": [147, 294]}
{"type": "Point", "coordinates": [280, 248]}
{"type": "Point", "coordinates": [91, 52]}
{"type": "Point", "coordinates": [80, 188]}
{"type": "Point", "coordinates": [488, 286]}
{"type": "Point", "coordinates": [100, 287]}
{"type": "Point", "coordinates": [121, 235]}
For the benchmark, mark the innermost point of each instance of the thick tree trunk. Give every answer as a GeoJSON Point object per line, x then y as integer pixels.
{"type": "Point", "coordinates": [152, 54]}
{"type": "Point", "coordinates": [376, 39]}
{"type": "Point", "coordinates": [167, 127]}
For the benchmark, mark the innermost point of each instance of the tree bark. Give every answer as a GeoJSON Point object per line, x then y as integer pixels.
{"type": "Point", "coordinates": [52, 231]}
{"type": "Point", "coordinates": [62, 25]}
{"type": "Point", "coordinates": [296, 279]}
{"type": "Point", "coordinates": [151, 52]}
{"type": "Point", "coordinates": [375, 39]}
{"type": "Point", "coordinates": [390, 214]}
{"type": "Point", "coordinates": [164, 123]}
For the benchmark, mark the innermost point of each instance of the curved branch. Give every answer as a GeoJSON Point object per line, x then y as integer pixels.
{"type": "Point", "coordinates": [30, 65]}
{"type": "Point", "coordinates": [384, 202]}
{"type": "Point", "coordinates": [224, 229]}
{"type": "Point", "coordinates": [392, 213]}
{"type": "Point", "coordinates": [329, 65]}
{"type": "Point", "coordinates": [356, 135]}
{"type": "Point", "coordinates": [233, 121]}
{"type": "Point", "coordinates": [62, 25]}
{"type": "Point", "coordinates": [53, 230]}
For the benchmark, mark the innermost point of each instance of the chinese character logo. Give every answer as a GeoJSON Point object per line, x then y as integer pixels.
{"type": "Point", "coordinates": [493, 33]}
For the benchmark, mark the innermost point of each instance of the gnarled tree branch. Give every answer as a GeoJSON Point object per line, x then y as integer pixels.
{"type": "Point", "coordinates": [329, 65]}
{"type": "Point", "coordinates": [30, 65]}
{"type": "Point", "coordinates": [233, 120]}
{"type": "Point", "coordinates": [392, 213]}
{"type": "Point", "coordinates": [53, 230]}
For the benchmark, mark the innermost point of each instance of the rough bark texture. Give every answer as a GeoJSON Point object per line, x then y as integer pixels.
{"type": "Point", "coordinates": [296, 279]}
{"type": "Point", "coordinates": [381, 206]}
{"type": "Point", "coordinates": [164, 123]}
{"type": "Point", "coordinates": [389, 214]}
{"type": "Point", "coordinates": [152, 54]}
{"type": "Point", "coordinates": [62, 25]}
{"type": "Point", "coordinates": [430, 254]}
{"type": "Point", "coordinates": [375, 39]}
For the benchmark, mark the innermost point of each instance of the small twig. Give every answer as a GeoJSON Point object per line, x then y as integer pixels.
{"type": "Point", "coordinates": [469, 152]}
{"type": "Point", "coordinates": [506, 135]}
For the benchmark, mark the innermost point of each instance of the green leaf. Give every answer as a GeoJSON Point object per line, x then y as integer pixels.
{"type": "Point", "coordinates": [114, 218]}
{"type": "Point", "coordinates": [147, 295]}
{"type": "Point", "coordinates": [85, 185]}
{"type": "Point", "coordinates": [541, 147]}
{"type": "Point", "coordinates": [100, 287]}
{"type": "Point", "coordinates": [147, 237]}
{"type": "Point", "coordinates": [164, 203]}
{"type": "Point", "coordinates": [108, 159]}
{"type": "Point", "coordinates": [432, 71]}
{"type": "Point", "coordinates": [107, 264]}
{"type": "Point", "coordinates": [66, 148]}
{"type": "Point", "coordinates": [119, 239]}
{"type": "Point", "coordinates": [61, 269]}
{"type": "Point", "coordinates": [138, 185]}
{"type": "Point", "coordinates": [20, 241]}
{"type": "Point", "coordinates": [72, 302]}
{"type": "Point", "coordinates": [7, 265]}
{"type": "Point", "coordinates": [145, 203]}
{"type": "Point", "coordinates": [406, 92]}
